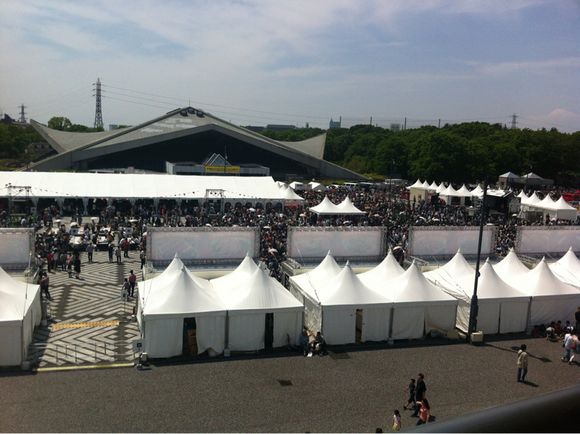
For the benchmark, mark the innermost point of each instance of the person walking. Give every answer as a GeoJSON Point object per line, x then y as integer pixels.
{"type": "Point", "coordinates": [522, 363]}
{"type": "Point", "coordinates": [424, 411]}
{"type": "Point", "coordinates": [142, 257]}
{"type": "Point", "coordinates": [132, 281]}
{"type": "Point", "coordinates": [411, 389]}
{"type": "Point", "coordinates": [111, 249]}
{"type": "Point", "coordinates": [90, 250]}
{"type": "Point", "coordinates": [44, 283]}
{"type": "Point", "coordinates": [569, 347]}
{"type": "Point", "coordinates": [125, 289]}
{"type": "Point", "coordinates": [420, 391]}
{"type": "Point", "coordinates": [397, 421]}
{"type": "Point", "coordinates": [577, 318]}
{"type": "Point", "coordinates": [77, 266]}
{"type": "Point", "coordinates": [118, 254]}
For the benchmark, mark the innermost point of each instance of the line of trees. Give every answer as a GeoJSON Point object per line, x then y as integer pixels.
{"type": "Point", "coordinates": [460, 153]}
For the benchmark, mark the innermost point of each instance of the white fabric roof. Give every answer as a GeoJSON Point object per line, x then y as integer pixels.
{"type": "Point", "coordinates": [16, 298]}
{"type": "Point", "coordinates": [295, 185]}
{"type": "Point", "coordinates": [318, 277]}
{"type": "Point", "coordinates": [288, 194]}
{"type": "Point", "coordinates": [317, 186]}
{"type": "Point", "coordinates": [448, 275]}
{"type": "Point", "coordinates": [417, 184]}
{"type": "Point", "coordinates": [259, 292]}
{"type": "Point", "coordinates": [477, 191]}
{"type": "Point", "coordinates": [463, 192]}
{"type": "Point", "coordinates": [433, 186]}
{"type": "Point", "coordinates": [440, 188]}
{"type": "Point", "coordinates": [114, 185]}
{"type": "Point", "coordinates": [325, 207]}
{"type": "Point", "coordinates": [522, 195]}
{"type": "Point", "coordinates": [347, 207]}
{"type": "Point", "coordinates": [541, 281]}
{"type": "Point", "coordinates": [567, 268]}
{"type": "Point", "coordinates": [413, 287]}
{"type": "Point", "coordinates": [379, 276]}
{"type": "Point", "coordinates": [449, 191]}
{"type": "Point", "coordinates": [346, 289]}
{"type": "Point", "coordinates": [231, 280]}
{"type": "Point", "coordinates": [511, 269]}
{"type": "Point", "coordinates": [425, 185]}
{"type": "Point", "coordinates": [532, 200]}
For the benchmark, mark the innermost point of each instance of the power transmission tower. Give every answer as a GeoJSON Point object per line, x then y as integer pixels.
{"type": "Point", "coordinates": [98, 109]}
{"type": "Point", "coordinates": [22, 119]}
{"type": "Point", "coordinates": [514, 121]}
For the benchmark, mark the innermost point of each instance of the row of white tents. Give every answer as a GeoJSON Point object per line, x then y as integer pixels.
{"type": "Point", "coordinates": [449, 191]}
{"type": "Point", "coordinates": [229, 311]}
{"type": "Point", "coordinates": [20, 313]}
{"type": "Point", "coordinates": [346, 207]}
{"type": "Point", "coordinates": [558, 209]}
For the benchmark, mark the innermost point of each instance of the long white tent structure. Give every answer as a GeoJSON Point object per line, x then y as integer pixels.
{"type": "Point", "coordinates": [567, 268]}
{"type": "Point", "coordinates": [134, 186]}
{"type": "Point", "coordinates": [20, 313]}
{"type": "Point", "coordinates": [346, 207]}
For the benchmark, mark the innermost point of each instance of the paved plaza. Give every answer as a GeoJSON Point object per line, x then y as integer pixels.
{"type": "Point", "coordinates": [90, 324]}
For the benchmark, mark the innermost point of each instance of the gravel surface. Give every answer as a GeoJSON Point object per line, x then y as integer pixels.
{"type": "Point", "coordinates": [355, 391]}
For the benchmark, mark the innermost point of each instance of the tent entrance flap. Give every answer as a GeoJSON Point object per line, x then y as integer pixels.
{"type": "Point", "coordinates": [189, 337]}
{"type": "Point", "coordinates": [269, 331]}
{"type": "Point", "coordinates": [359, 326]}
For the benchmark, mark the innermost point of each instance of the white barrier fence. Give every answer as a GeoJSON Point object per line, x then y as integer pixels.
{"type": "Point", "coordinates": [446, 240]}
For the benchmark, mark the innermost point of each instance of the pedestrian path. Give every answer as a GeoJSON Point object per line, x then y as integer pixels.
{"type": "Point", "coordinates": [88, 321]}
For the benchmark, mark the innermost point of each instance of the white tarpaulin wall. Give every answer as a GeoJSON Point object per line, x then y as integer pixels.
{"type": "Point", "coordinates": [16, 247]}
{"type": "Point", "coordinates": [550, 239]}
{"type": "Point", "coordinates": [446, 240]}
{"type": "Point", "coordinates": [152, 186]}
{"type": "Point", "coordinates": [20, 313]}
{"type": "Point", "coordinates": [343, 242]}
{"type": "Point", "coordinates": [202, 244]}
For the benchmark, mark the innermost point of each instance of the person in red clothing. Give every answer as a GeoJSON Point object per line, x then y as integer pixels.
{"type": "Point", "coordinates": [132, 282]}
{"type": "Point", "coordinates": [424, 411]}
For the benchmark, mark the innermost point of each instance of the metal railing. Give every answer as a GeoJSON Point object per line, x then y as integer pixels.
{"type": "Point", "coordinates": [80, 353]}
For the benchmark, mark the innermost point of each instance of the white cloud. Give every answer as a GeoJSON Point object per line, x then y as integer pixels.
{"type": "Point", "coordinates": [560, 118]}
{"type": "Point", "coordinates": [546, 65]}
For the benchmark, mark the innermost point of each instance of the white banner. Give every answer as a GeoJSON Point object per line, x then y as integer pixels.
{"type": "Point", "coordinates": [551, 239]}
{"type": "Point", "coordinates": [445, 240]}
{"type": "Point", "coordinates": [201, 244]}
{"type": "Point", "coordinates": [15, 247]}
{"type": "Point", "coordinates": [348, 243]}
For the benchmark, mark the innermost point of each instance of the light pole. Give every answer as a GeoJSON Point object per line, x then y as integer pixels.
{"type": "Point", "coordinates": [473, 311]}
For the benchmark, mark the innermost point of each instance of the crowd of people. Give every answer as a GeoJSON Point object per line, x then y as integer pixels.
{"type": "Point", "coordinates": [383, 207]}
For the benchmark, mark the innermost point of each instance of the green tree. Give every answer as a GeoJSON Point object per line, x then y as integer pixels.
{"type": "Point", "coordinates": [59, 123]}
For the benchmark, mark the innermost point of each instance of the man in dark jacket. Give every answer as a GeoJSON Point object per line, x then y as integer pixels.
{"type": "Point", "coordinates": [420, 391]}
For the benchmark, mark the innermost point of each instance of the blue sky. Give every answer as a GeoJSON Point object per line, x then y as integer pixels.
{"type": "Point", "coordinates": [265, 61]}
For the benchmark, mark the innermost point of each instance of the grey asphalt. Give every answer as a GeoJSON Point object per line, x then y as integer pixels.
{"type": "Point", "coordinates": [352, 392]}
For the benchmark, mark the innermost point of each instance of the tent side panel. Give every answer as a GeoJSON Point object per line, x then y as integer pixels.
{"type": "Point", "coordinates": [210, 333]}
{"type": "Point", "coordinates": [247, 332]}
{"type": "Point", "coordinates": [462, 319]}
{"type": "Point", "coordinates": [513, 316]}
{"type": "Point", "coordinates": [163, 337]}
{"type": "Point", "coordinates": [408, 322]}
{"type": "Point", "coordinates": [547, 309]}
{"type": "Point", "coordinates": [339, 326]}
{"type": "Point", "coordinates": [488, 317]}
{"type": "Point", "coordinates": [440, 317]}
{"type": "Point", "coordinates": [10, 345]}
{"type": "Point", "coordinates": [312, 315]}
{"type": "Point", "coordinates": [376, 324]}
{"type": "Point", "coordinates": [287, 328]}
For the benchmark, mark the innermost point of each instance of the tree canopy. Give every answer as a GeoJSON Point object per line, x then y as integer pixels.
{"type": "Point", "coordinates": [460, 153]}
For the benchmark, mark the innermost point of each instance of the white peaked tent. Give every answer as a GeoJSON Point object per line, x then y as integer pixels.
{"type": "Point", "coordinates": [567, 268]}
{"type": "Point", "coordinates": [532, 201]}
{"type": "Point", "coordinates": [425, 185]}
{"type": "Point", "coordinates": [241, 273]}
{"type": "Point", "coordinates": [20, 313]}
{"type": "Point", "coordinates": [249, 301]}
{"type": "Point", "coordinates": [563, 210]}
{"type": "Point", "coordinates": [417, 184]}
{"type": "Point", "coordinates": [303, 287]}
{"type": "Point", "coordinates": [552, 299]}
{"type": "Point", "coordinates": [464, 192]}
{"type": "Point", "coordinates": [522, 195]}
{"type": "Point", "coordinates": [317, 186]}
{"type": "Point", "coordinates": [350, 308]}
{"type": "Point", "coordinates": [288, 195]}
{"type": "Point", "coordinates": [347, 207]}
{"type": "Point", "coordinates": [440, 188]}
{"type": "Point", "coordinates": [376, 278]}
{"type": "Point", "coordinates": [502, 308]}
{"type": "Point", "coordinates": [296, 185]}
{"type": "Point", "coordinates": [419, 306]}
{"type": "Point", "coordinates": [433, 186]}
{"type": "Point", "coordinates": [477, 191]}
{"type": "Point", "coordinates": [326, 207]}
{"type": "Point", "coordinates": [511, 270]}
{"type": "Point", "coordinates": [169, 302]}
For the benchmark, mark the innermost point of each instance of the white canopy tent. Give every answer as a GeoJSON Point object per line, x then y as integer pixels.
{"type": "Point", "coordinates": [419, 306]}
{"type": "Point", "coordinates": [20, 313]}
{"type": "Point", "coordinates": [417, 184]}
{"type": "Point", "coordinates": [249, 301]}
{"type": "Point", "coordinates": [352, 311]}
{"type": "Point", "coordinates": [172, 298]}
{"type": "Point", "coordinates": [464, 192]}
{"type": "Point", "coordinates": [502, 308]}
{"type": "Point", "coordinates": [552, 299]}
{"type": "Point", "coordinates": [346, 207]}
{"type": "Point", "coordinates": [316, 186]}
{"type": "Point", "coordinates": [379, 276]}
{"type": "Point", "coordinates": [296, 185]}
{"type": "Point", "coordinates": [433, 186]}
{"type": "Point", "coordinates": [511, 270]}
{"type": "Point", "coordinates": [477, 191]}
{"type": "Point", "coordinates": [567, 268]}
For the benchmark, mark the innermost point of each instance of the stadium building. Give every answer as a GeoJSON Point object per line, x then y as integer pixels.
{"type": "Point", "coordinates": [186, 134]}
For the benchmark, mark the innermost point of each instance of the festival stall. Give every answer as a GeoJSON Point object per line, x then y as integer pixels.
{"type": "Point", "coordinates": [20, 313]}
{"type": "Point", "coordinates": [567, 268]}
{"type": "Point", "coordinates": [346, 207]}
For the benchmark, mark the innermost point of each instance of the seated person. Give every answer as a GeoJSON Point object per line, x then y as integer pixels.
{"type": "Point", "coordinates": [568, 327]}
{"type": "Point", "coordinates": [559, 328]}
{"type": "Point", "coordinates": [551, 332]}
{"type": "Point", "coordinates": [319, 344]}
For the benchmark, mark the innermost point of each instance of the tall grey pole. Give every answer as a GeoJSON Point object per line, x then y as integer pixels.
{"type": "Point", "coordinates": [474, 304]}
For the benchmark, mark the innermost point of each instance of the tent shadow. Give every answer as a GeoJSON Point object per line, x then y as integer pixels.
{"type": "Point", "coordinates": [514, 349]}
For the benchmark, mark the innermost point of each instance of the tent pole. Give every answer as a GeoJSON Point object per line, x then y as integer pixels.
{"type": "Point", "coordinates": [473, 311]}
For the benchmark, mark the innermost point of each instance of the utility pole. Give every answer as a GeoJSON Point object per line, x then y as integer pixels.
{"type": "Point", "coordinates": [371, 121]}
{"type": "Point", "coordinates": [405, 124]}
{"type": "Point", "coordinates": [439, 124]}
{"type": "Point", "coordinates": [474, 309]}
{"type": "Point", "coordinates": [22, 118]}
{"type": "Point", "coordinates": [514, 121]}
{"type": "Point", "coordinates": [98, 108]}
